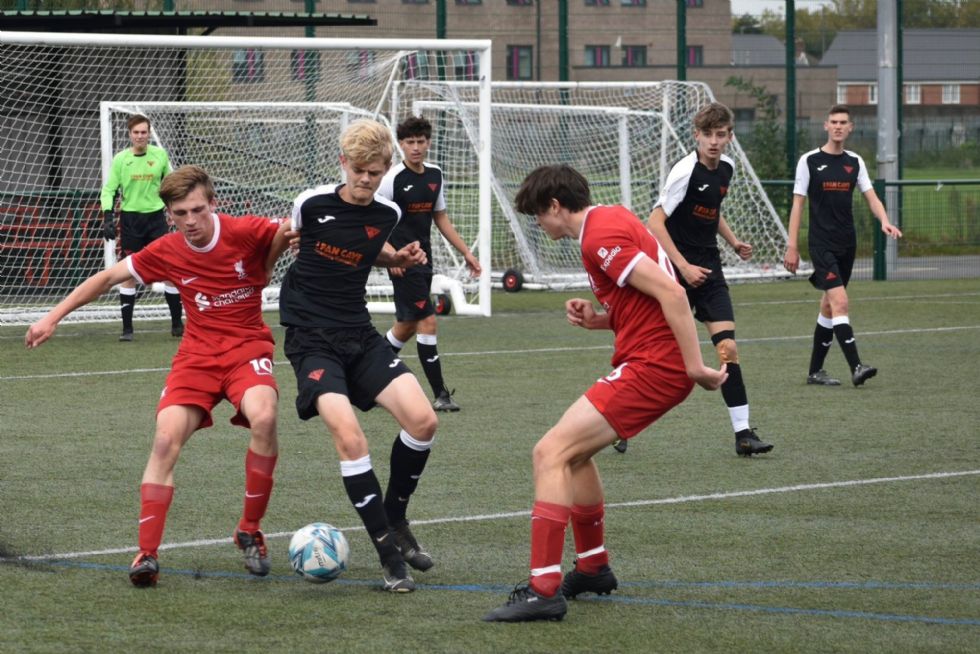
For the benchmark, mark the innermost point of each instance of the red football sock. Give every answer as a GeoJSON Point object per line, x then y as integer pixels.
{"type": "Point", "coordinates": [258, 489]}
{"type": "Point", "coordinates": [588, 526]}
{"type": "Point", "coordinates": [548, 524]}
{"type": "Point", "coordinates": [154, 503]}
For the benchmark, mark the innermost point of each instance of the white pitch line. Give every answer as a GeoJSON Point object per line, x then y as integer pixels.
{"type": "Point", "coordinates": [539, 350]}
{"type": "Point", "coordinates": [517, 514]}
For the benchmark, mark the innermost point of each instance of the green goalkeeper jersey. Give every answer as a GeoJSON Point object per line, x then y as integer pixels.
{"type": "Point", "coordinates": [139, 177]}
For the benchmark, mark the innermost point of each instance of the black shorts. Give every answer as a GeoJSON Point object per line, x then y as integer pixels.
{"type": "Point", "coordinates": [357, 363]}
{"type": "Point", "coordinates": [413, 296]}
{"type": "Point", "coordinates": [137, 230]}
{"type": "Point", "coordinates": [711, 301]}
{"type": "Point", "coordinates": [831, 267]}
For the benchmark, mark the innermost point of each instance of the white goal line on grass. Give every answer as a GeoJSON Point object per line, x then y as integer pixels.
{"type": "Point", "coordinates": [683, 499]}
{"type": "Point", "coordinates": [538, 350]}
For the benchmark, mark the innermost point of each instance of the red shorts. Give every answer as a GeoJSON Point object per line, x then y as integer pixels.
{"type": "Point", "coordinates": [637, 393]}
{"type": "Point", "coordinates": [204, 380]}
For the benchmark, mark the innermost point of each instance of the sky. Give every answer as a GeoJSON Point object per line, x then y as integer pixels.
{"type": "Point", "coordinates": [756, 7]}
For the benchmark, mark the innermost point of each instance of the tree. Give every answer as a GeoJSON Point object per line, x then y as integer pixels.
{"type": "Point", "coordinates": [746, 24]}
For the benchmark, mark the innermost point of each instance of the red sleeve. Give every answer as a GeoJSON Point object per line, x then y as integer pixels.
{"type": "Point", "coordinates": [610, 242]}
{"type": "Point", "coordinates": [150, 264]}
{"type": "Point", "coordinates": [259, 231]}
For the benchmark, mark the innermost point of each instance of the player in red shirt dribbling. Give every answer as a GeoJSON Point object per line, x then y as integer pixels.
{"type": "Point", "coordinates": [220, 265]}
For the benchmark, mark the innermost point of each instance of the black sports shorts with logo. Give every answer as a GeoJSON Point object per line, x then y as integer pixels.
{"type": "Point", "coordinates": [413, 298]}
{"type": "Point", "coordinates": [711, 301]}
{"type": "Point", "coordinates": [831, 266]}
{"type": "Point", "coordinates": [137, 230]}
{"type": "Point", "coordinates": [355, 362]}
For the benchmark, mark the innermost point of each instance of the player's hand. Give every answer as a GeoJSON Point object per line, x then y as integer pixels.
{"type": "Point", "coordinates": [473, 264]}
{"type": "Point", "coordinates": [891, 230]}
{"type": "Point", "coordinates": [695, 275]}
{"type": "Point", "coordinates": [410, 255]}
{"type": "Point", "coordinates": [791, 260]}
{"type": "Point", "coordinates": [708, 378]}
{"type": "Point", "coordinates": [397, 271]}
{"type": "Point", "coordinates": [579, 312]}
{"type": "Point", "coordinates": [109, 226]}
{"type": "Point", "coordinates": [743, 250]}
{"type": "Point", "coordinates": [39, 332]}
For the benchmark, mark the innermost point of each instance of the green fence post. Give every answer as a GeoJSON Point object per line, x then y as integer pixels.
{"type": "Point", "coordinates": [879, 273]}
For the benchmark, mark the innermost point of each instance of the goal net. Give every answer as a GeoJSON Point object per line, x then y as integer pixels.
{"type": "Point", "coordinates": [624, 138]}
{"type": "Point", "coordinates": [261, 115]}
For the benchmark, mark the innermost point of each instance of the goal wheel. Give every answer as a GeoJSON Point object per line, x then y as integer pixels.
{"type": "Point", "coordinates": [513, 280]}
{"type": "Point", "coordinates": [443, 304]}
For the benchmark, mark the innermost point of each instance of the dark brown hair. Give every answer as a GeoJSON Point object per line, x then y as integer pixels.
{"type": "Point", "coordinates": [414, 126]}
{"type": "Point", "coordinates": [555, 182]}
{"type": "Point", "coordinates": [136, 119]}
{"type": "Point", "coordinates": [180, 183]}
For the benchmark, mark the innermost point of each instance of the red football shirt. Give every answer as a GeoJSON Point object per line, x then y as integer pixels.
{"type": "Point", "coordinates": [613, 241]}
{"type": "Point", "coordinates": [220, 283]}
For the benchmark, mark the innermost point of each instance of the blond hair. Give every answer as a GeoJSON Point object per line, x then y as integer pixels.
{"type": "Point", "coordinates": [365, 141]}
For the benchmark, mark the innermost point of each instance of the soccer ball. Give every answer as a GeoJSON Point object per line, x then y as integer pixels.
{"type": "Point", "coordinates": [319, 552]}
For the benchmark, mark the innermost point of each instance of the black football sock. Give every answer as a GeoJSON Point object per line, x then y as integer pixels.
{"type": "Point", "coordinates": [845, 338]}
{"type": "Point", "coordinates": [408, 458]}
{"type": "Point", "coordinates": [364, 492]}
{"type": "Point", "coordinates": [823, 338]}
{"type": "Point", "coordinates": [176, 310]}
{"type": "Point", "coordinates": [429, 357]}
{"type": "Point", "coordinates": [127, 300]}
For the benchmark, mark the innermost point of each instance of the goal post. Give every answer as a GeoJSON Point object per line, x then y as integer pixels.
{"type": "Point", "coordinates": [262, 115]}
{"type": "Point", "coordinates": [624, 137]}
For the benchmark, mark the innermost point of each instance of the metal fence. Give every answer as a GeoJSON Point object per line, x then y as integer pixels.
{"type": "Point", "coordinates": [939, 219]}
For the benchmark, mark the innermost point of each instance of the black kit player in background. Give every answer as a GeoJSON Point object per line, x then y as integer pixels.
{"type": "Point", "coordinates": [687, 220]}
{"type": "Point", "coordinates": [417, 188]}
{"type": "Point", "coordinates": [828, 176]}
{"type": "Point", "coordinates": [341, 360]}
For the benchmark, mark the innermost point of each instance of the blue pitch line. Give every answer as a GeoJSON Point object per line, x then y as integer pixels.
{"type": "Point", "coordinates": [644, 601]}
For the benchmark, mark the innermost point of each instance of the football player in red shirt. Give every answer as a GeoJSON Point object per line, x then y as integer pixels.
{"type": "Point", "coordinates": [656, 362]}
{"type": "Point", "coordinates": [220, 265]}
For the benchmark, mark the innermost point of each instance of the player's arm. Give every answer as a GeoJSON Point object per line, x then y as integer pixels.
{"type": "Point", "coordinates": [791, 260]}
{"type": "Point", "coordinates": [742, 249]}
{"type": "Point", "coordinates": [280, 243]}
{"type": "Point", "coordinates": [446, 227]}
{"type": "Point", "coordinates": [649, 278]}
{"type": "Point", "coordinates": [108, 200]}
{"type": "Point", "coordinates": [878, 211]}
{"type": "Point", "coordinates": [657, 224]}
{"type": "Point", "coordinates": [581, 313]}
{"type": "Point", "coordinates": [410, 255]}
{"type": "Point", "coordinates": [96, 285]}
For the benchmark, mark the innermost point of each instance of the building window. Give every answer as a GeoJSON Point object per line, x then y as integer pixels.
{"type": "Point", "coordinates": [469, 2]}
{"type": "Point", "coordinates": [695, 55]}
{"type": "Point", "coordinates": [597, 56]}
{"type": "Point", "coordinates": [247, 66]}
{"type": "Point", "coordinates": [841, 94]}
{"type": "Point", "coordinates": [633, 3]}
{"type": "Point", "coordinates": [415, 2]}
{"type": "Point", "coordinates": [596, 3]}
{"type": "Point", "coordinates": [362, 1]}
{"type": "Point", "coordinates": [359, 63]}
{"type": "Point", "coordinates": [913, 94]}
{"type": "Point", "coordinates": [465, 65]}
{"type": "Point", "coordinates": [519, 62]}
{"type": "Point", "coordinates": [634, 56]}
{"type": "Point", "coordinates": [521, 3]}
{"type": "Point", "coordinates": [951, 93]}
{"type": "Point", "coordinates": [872, 94]}
{"type": "Point", "coordinates": [415, 66]}
{"type": "Point", "coordinates": [304, 65]}
{"type": "Point", "coordinates": [695, 3]}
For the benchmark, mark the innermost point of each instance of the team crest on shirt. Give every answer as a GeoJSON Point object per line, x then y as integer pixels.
{"type": "Point", "coordinates": [433, 187]}
{"type": "Point", "coordinates": [371, 231]}
{"type": "Point", "coordinates": [240, 269]}
{"type": "Point", "coordinates": [848, 169]}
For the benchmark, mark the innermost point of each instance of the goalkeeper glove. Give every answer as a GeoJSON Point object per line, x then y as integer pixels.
{"type": "Point", "coordinates": [108, 226]}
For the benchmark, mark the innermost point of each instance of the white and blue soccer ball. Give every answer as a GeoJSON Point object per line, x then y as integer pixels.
{"type": "Point", "coordinates": [319, 552]}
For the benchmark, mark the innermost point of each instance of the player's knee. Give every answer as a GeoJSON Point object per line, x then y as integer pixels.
{"type": "Point", "coordinates": [725, 347]}
{"type": "Point", "coordinates": [263, 423]}
{"type": "Point", "coordinates": [166, 444]}
{"type": "Point", "coordinates": [424, 425]}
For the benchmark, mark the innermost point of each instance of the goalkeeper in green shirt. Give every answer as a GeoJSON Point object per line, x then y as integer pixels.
{"type": "Point", "coordinates": [137, 171]}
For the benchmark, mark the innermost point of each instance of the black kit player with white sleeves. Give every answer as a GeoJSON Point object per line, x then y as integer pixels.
{"type": "Point", "coordinates": [828, 176]}
{"type": "Point", "coordinates": [341, 360]}
{"type": "Point", "coordinates": [417, 188]}
{"type": "Point", "coordinates": [687, 220]}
